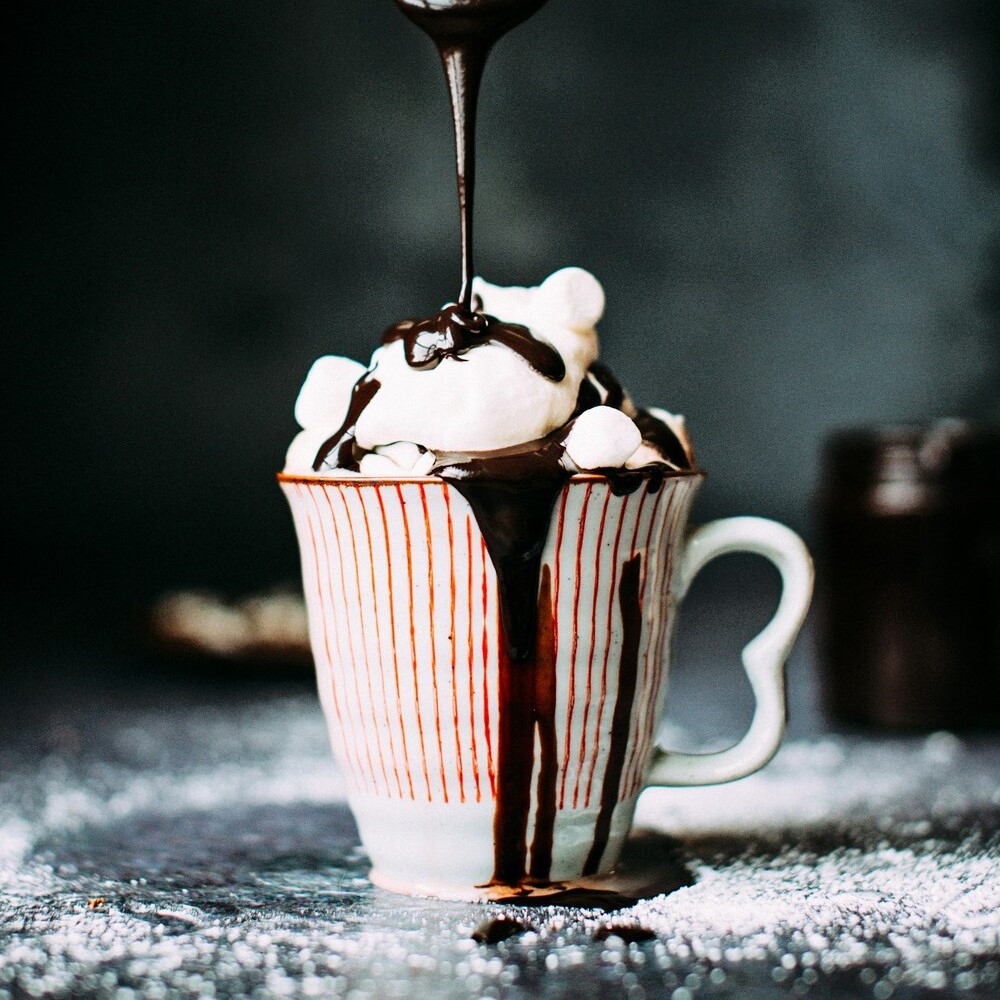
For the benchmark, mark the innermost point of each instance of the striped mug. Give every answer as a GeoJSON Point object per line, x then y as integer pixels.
{"type": "Point", "coordinates": [458, 792]}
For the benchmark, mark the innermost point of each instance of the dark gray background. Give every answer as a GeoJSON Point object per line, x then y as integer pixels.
{"type": "Point", "coordinates": [793, 208]}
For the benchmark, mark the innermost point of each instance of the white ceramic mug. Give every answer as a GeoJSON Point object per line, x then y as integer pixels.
{"type": "Point", "coordinates": [403, 616]}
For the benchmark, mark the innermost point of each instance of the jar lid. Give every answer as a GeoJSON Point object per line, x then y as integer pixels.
{"type": "Point", "coordinates": [947, 453]}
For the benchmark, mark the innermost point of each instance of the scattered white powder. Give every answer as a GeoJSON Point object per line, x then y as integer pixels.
{"type": "Point", "coordinates": [211, 854]}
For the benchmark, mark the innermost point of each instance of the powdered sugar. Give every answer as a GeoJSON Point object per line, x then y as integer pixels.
{"type": "Point", "coordinates": [211, 853]}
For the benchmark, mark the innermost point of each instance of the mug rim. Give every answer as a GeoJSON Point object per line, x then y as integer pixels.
{"type": "Point", "coordinates": [578, 478]}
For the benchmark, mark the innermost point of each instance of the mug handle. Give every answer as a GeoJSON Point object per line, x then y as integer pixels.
{"type": "Point", "coordinates": [763, 657]}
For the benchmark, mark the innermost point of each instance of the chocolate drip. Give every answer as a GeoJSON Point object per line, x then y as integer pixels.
{"type": "Point", "coordinates": [527, 690]}
{"type": "Point", "coordinates": [343, 438]}
{"type": "Point", "coordinates": [512, 497]}
{"type": "Point", "coordinates": [512, 492]}
{"type": "Point", "coordinates": [545, 719]}
{"type": "Point", "coordinates": [628, 669]}
{"type": "Point", "coordinates": [656, 433]}
{"type": "Point", "coordinates": [611, 385]}
{"type": "Point", "coordinates": [515, 760]}
{"type": "Point", "coordinates": [587, 397]}
{"type": "Point", "coordinates": [626, 481]}
{"type": "Point", "coordinates": [455, 330]}
{"type": "Point", "coordinates": [464, 32]}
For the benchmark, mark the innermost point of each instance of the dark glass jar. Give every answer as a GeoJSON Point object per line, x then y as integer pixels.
{"type": "Point", "coordinates": [909, 575]}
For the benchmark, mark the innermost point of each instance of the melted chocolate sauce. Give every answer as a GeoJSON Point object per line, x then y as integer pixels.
{"type": "Point", "coordinates": [662, 438]}
{"type": "Point", "coordinates": [464, 32]}
{"type": "Point", "coordinates": [626, 481]}
{"type": "Point", "coordinates": [499, 929]}
{"type": "Point", "coordinates": [342, 440]}
{"type": "Point", "coordinates": [527, 696]}
{"type": "Point", "coordinates": [628, 671]}
{"type": "Point", "coordinates": [607, 381]}
{"type": "Point", "coordinates": [512, 492]}
{"type": "Point", "coordinates": [629, 933]}
{"type": "Point", "coordinates": [545, 720]}
{"type": "Point", "coordinates": [587, 397]}
{"type": "Point", "coordinates": [527, 700]}
{"type": "Point", "coordinates": [454, 331]}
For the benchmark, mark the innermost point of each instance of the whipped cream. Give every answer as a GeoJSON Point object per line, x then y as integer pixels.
{"type": "Point", "coordinates": [395, 418]}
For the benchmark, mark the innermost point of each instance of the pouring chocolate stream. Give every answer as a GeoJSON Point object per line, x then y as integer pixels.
{"type": "Point", "coordinates": [464, 32]}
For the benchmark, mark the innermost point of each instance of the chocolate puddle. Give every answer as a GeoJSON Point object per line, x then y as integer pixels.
{"type": "Point", "coordinates": [629, 933]}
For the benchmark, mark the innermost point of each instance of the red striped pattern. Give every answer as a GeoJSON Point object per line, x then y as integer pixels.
{"type": "Point", "coordinates": [404, 625]}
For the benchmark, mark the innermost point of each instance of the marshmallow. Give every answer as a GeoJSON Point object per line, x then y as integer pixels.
{"type": "Point", "coordinates": [303, 450]}
{"type": "Point", "coordinates": [602, 438]}
{"type": "Point", "coordinates": [489, 398]}
{"type": "Point", "coordinates": [562, 311]}
{"type": "Point", "coordinates": [573, 297]}
{"type": "Point", "coordinates": [401, 458]}
{"type": "Point", "coordinates": [305, 447]}
{"type": "Point", "coordinates": [644, 455]}
{"type": "Point", "coordinates": [326, 392]}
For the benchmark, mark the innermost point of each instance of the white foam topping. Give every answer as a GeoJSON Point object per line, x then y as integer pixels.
{"type": "Point", "coordinates": [486, 399]}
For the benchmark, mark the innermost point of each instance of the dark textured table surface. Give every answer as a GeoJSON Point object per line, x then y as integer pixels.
{"type": "Point", "coordinates": [166, 832]}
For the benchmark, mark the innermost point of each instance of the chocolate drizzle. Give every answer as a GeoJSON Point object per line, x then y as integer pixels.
{"type": "Point", "coordinates": [527, 691]}
{"type": "Point", "coordinates": [464, 32]}
{"type": "Point", "coordinates": [512, 492]}
{"type": "Point", "coordinates": [545, 721]}
{"type": "Point", "coordinates": [342, 440]}
{"type": "Point", "coordinates": [514, 519]}
{"type": "Point", "coordinates": [605, 378]}
{"type": "Point", "coordinates": [656, 433]}
{"type": "Point", "coordinates": [527, 695]}
{"type": "Point", "coordinates": [628, 671]}
{"type": "Point", "coordinates": [454, 331]}
{"type": "Point", "coordinates": [626, 481]}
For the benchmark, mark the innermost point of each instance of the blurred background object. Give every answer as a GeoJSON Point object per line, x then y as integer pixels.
{"type": "Point", "coordinates": [793, 207]}
{"type": "Point", "coordinates": [910, 595]}
{"type": "Point", "coordinates": [265, 629]}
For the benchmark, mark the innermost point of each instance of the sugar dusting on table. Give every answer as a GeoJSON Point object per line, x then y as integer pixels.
{"type": "Point", "coordinates": [208, 853]}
